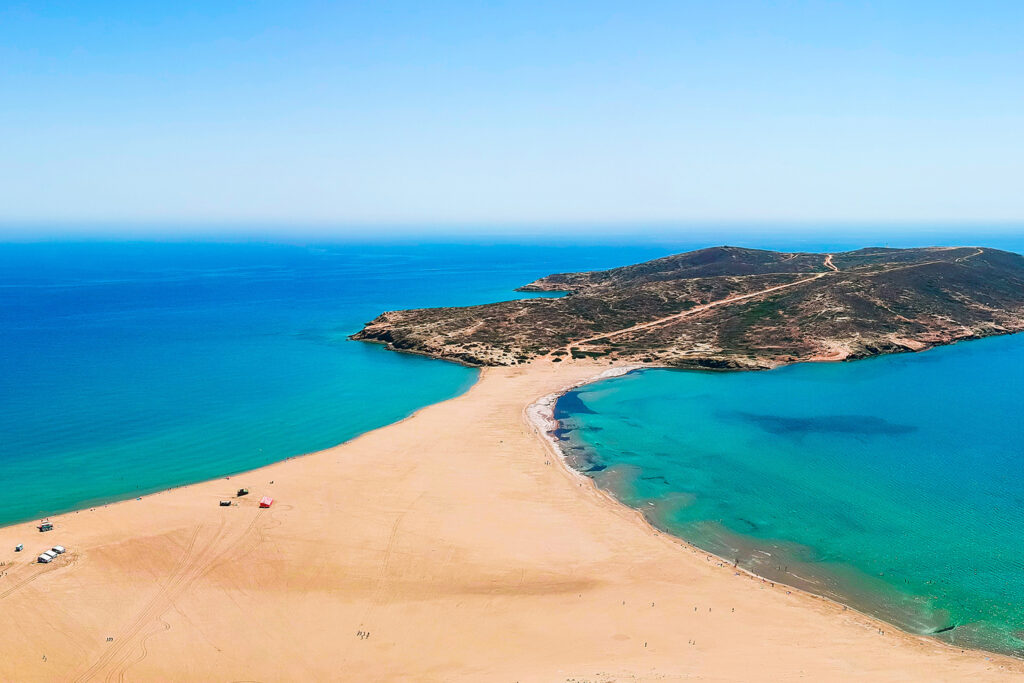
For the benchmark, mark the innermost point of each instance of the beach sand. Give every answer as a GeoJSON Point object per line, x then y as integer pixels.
{"type": "Point", "coordinates": [457, 540]}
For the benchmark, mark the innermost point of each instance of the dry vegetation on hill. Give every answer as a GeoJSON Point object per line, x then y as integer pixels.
{"type": "Point", "coordinates": [733, 308]}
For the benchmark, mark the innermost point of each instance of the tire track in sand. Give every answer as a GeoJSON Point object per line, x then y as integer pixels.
{"type": "Point", "coordinates": [24, 582]}
{"type": "Point", "coordinates": [194, 570]}
{"type": "Point", "coordinates": [177, 575]}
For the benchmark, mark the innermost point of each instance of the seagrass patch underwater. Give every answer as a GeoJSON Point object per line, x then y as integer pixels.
{"type": "Point", "coordinates": [892, 484]}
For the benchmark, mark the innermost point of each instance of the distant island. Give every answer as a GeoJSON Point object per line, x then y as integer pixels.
{"type": "Point", "coordinates": [732, 308]}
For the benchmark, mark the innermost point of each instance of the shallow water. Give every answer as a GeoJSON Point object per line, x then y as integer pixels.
{"type": "Point", "coordinates": [893, 484]}
{"type": "Point", "coordinates": [131, 367]}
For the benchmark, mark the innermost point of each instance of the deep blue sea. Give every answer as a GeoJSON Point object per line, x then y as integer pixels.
{"type": "Point", "coordinates": [893, 484]}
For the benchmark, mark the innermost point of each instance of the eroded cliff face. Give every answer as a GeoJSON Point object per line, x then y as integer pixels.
{"type": "Point", "coordinates": [732, 308]}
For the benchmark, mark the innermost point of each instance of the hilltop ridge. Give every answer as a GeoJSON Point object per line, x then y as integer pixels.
{"type": "Point", "coordinates": [732, 308]}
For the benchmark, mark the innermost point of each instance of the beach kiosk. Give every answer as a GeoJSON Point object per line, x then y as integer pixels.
{"type": "Point", "coordinates": [46, 525]}
{"type": "Point", "coordinates": [266, 501]}
{"type": "Point", "coordinates": [46, 557]}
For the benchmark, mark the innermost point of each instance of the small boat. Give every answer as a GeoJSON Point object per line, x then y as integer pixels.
{"type": "Point", "coordinates": [243, 492]}
{"type": "Point", "coordinates": [18, 548]}
{"type": "Point", "coordinates": [225, 503]}
{"type": "Point", "coordinates": [266, 501]}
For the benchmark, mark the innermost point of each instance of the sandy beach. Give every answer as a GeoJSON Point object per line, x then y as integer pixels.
{"type": "Point", "coordinates": [451, 546]}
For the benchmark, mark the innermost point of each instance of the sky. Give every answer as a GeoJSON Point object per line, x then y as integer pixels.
{"type": "Point", "coordinates": [510, 113]}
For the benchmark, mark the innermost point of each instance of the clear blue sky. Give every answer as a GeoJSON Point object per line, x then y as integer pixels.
{"type": "Point", "coordinates": [511, 112]}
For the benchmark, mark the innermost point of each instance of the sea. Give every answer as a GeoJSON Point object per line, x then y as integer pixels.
{"type": "Point", "coordinates": [893, 484]}
{"type": "Point", "coordinates": [131, 367]}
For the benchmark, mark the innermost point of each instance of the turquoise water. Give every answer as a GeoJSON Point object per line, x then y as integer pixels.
{"type": "Point", "coordinates": [126, 368]}
{"type": "Point", "coordinates": [893, 484]}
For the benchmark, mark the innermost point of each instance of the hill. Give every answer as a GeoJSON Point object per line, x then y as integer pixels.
{"type": "Point", "coordinates": [733, 308]}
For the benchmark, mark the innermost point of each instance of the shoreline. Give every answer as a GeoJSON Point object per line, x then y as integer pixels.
{"type": "Point", "coordinates": [419, 551]}
{"type": "Point", "coordinates": [540, 415]}
{"type": "Point", "coordinates": [118, 499]}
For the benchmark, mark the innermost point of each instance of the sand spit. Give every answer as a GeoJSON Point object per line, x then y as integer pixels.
{"type": "Point", "coordinates": [446, 547]}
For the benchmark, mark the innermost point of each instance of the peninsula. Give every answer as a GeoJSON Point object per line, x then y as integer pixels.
{"type": "Point", "coordinates": [732, 308]}
{"type": "Point", "coordinates": [456, 546]}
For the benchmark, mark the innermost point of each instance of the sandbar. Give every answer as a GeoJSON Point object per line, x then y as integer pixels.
{"type": "Point", "coordinates": [451, 546]}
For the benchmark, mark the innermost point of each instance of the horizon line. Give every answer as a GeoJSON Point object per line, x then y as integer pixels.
{"type": "Point", "coordinates": [233, 226]}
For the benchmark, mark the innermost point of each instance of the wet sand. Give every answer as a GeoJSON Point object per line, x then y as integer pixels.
{"type": "Point", "coordinates": [453, 545]}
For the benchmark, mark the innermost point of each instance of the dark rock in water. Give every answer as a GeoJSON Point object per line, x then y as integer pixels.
{"type": "Point", "coordinates": [943, 629]}
{"type": "Point", "coordinates": [699, 363]}
{"type": "Point", "coordinates": [561, 434]}
{"type": "Point", "coordinates": [840, 424]}
{"type": "Point", "coordinates": [582, 459]}
{"type": "Point", "coordinates": [752, 525]}
{"type": "Point", "coordinates": [570, 404]}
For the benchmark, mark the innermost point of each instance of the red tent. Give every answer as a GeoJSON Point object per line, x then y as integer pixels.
{"type": "Point", "coordinates": [266, 501]}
